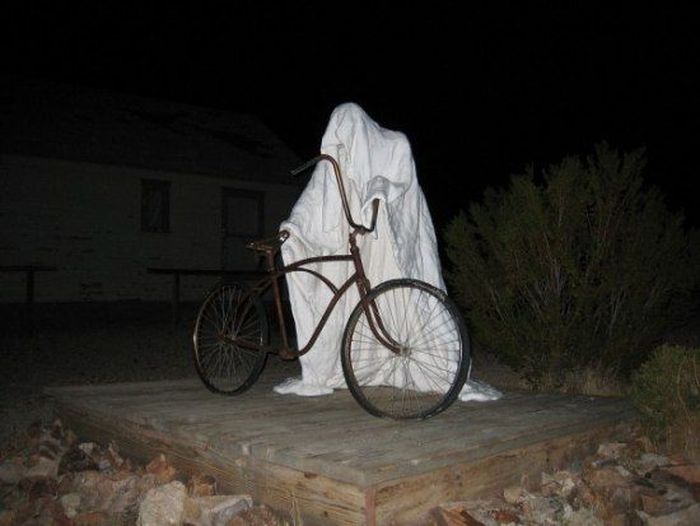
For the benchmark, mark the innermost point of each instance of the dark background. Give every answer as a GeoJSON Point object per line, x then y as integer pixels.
{"type": "Point", "coordinates": [481, 92]}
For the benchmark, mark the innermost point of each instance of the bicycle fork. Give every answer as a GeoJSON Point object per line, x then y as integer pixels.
{"type": "Point", "coordinates": [369, 305]}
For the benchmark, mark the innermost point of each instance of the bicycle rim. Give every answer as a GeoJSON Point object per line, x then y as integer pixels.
{"type": "Point", "coordinates": [226, 314]}
{"type": "Point", "coordinates": [429, 368]}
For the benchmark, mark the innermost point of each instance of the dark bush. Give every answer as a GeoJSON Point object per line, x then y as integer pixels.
{"type": "Point", "coordinates": [666, 390]}
{"type": "Point", "coordinates": [581, 267]}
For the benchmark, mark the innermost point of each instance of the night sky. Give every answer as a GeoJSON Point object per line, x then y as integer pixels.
{"type": "Point", "coordinates": [480, 92]}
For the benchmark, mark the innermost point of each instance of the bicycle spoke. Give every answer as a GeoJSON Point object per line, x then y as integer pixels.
{"type": "Point", "coordinates": [415, 378]}
{"type": "Point", "coordinates": [226, 315]}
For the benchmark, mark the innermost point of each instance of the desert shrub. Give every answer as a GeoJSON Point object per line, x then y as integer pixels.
{"type": "Point", "coordinates": [582, 266]}
{"type": "Point", "coordinates": [666, 390]}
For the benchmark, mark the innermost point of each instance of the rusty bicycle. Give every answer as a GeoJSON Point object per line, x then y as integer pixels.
{"type": "Point", "coordinates": [405, 348]}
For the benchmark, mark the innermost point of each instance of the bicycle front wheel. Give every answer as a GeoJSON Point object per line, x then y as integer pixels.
{"type": "Point", "coordinates": [227, 314]}
{"type": "Point", "coordinates": [407, 355]}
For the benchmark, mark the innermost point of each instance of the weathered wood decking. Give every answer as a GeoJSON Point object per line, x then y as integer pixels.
{"type": "Point", "coordinates": [331, 462]}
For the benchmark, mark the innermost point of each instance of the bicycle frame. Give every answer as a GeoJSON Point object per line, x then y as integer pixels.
{"type": "Point", "coordinates": [358, 278]}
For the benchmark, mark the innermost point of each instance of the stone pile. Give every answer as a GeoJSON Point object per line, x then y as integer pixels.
{"type": "Point", "coordinates": [52, 478]}
{"type": "Point", "coordinates": [622, 484]}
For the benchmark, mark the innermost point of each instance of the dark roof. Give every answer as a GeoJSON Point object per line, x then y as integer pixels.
{"type": "Point", "coordinates": [47, 119]}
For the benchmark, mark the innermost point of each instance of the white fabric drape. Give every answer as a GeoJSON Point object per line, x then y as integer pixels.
{"type": "Point", "coordinates": [376, 163]}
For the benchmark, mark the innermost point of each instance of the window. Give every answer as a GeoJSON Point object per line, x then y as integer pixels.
{"type": "Point", "coordinates": [155, 205]}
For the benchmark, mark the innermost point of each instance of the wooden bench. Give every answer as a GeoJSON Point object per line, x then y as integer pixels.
{"type": "Point", "coordinates": [177, 272]}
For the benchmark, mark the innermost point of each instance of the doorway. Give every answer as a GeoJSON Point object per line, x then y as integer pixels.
{"type": "Point", "coordinates": [242, 221]}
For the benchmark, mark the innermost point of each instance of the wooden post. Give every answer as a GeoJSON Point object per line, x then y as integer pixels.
{"type": "Point", "coordinates": [176, 298]}
{"type": "Point", "coordinates": [29, 304]}
{"type": "Point", "coordinates": [29, 271]}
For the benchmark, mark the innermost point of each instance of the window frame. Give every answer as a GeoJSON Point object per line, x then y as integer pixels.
{"type": "Point", "coordinates": [149, 187]}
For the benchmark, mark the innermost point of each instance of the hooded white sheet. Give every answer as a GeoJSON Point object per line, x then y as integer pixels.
{"type": "Point", "coordinates": [375, 163]}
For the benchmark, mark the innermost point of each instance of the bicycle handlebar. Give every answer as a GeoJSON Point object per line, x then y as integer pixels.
{"type": "Point", "coordinates": [343, 196]}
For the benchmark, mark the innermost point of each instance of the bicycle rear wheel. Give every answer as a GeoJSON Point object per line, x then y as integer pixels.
{"type": "Point", "coordinates": [227, 313]}
{"type": "Point", "coordinates": [429, 364]}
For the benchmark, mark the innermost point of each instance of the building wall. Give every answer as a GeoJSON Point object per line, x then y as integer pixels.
{"type": "Point", "coordinates": [86, 220]}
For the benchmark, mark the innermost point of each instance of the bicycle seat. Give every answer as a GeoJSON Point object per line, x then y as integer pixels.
{"type": "Point", "coordinates": [270, 245]}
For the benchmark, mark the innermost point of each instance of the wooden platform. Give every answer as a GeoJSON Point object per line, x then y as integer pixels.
{"type": "Point", "coordinates": [328, 461]}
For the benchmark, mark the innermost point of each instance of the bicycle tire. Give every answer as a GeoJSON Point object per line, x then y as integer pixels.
{"type": "Point", "coordinates": [426, 376]}
{"type": "Point", "coordinates": [229, 311]}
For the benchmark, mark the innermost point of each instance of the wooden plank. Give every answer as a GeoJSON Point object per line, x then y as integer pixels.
{"type": "Point", "coordinates": [327, 441]}
{"type": "Point", "coordinates": [318, 499]}
{"type": "Point", "coordinates": [446, 446]}
{"type": "Point", "coordinates": [327, 459]}
{"type": "Point", "coordinates": [408, 500]}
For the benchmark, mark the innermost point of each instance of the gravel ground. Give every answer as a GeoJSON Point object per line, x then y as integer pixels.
{"type": "Point", "coordinates": [97, 354]}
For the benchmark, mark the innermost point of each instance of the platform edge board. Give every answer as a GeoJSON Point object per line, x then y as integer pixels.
{"type": "Point", "coordinates": [408, 500]}
{"type": "Point", "coordinates": [468, 452]}
{"type": "Point", "coordinates": [335, 487]}
{"type": "Point", "coordinates": [269, 445]}
{"type": "Point", "coordinates": [317, 499]}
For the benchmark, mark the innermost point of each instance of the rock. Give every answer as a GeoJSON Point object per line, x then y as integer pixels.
{"type": "Point", "coordinates": [93, 518]}
{"type": "Point", "coordinates": [112, 492]}
{"type": "Point", "coordinates": [679, 497]}
{"type": "Point", "coordinates": [201, 486]}
{"type": "Point", "coordinates": [622, 501]}
{"type": "Point", "coordinates": [689, 473]}
{"type": "Point", "coordinates": [689, 516]}
{"type": "Point", "coordinates": [505, 517]}
{"type": "Point", "coordinates": [38, 487]}
{"type": "Point", "coordinates": [454, 516]}
{"type": "Point", "coordinates": [146, 482]}
{"type": "Point", "coordinates": [44, 510]}
{"type": "Point", "coordinates": [160, 467]}
{"type": "Point", "coordinates": [95, 457]}
{"type": "Point", "coordinates": [87, 447]}
{"type": "Point", "coordinates": [473, 512]}
{"type": "Point", "coordinates": [92, 487]}
{"type": "Point", "coordinates": [612, 450]}
{"type": "Point", "coordinates": [649, 462]}
{"type": "Point", "coordinates": [7, 518]}
{"type": "Point", "coordinates": [11, 472]}
{"type": "Point", "coordinates": [513, 494]}
{"type": "Point", "coordinates": [561, 483]}
{"type": "Point", "coordinates": [71, 504]}
{"type": "Point", "coordinates": [256, 516]}
{"type": "Point", "coordinates": [125, 494]}
{"type": "Point", "coordinates": [581, 517]}
{"type": "Point", "coordinates": [542, 510]}
{"type": "Point", "coordinates": [43, 467]}
{"type": "Point", "coordinates": [76, 459]}
{"type": "Point", "coordinates": [605, 478]}
{"type": "Point", "coordinates": [655, 504]}
{"type": "Point", "coordinates": [623, 519]}
{"type": "Point", "coordinates": [113, 455]}
{"type": "Point", "coordinates": [584, 495]}
{"type": "Point", "coordinates": [216, 510]}
{"type": "Point", "coordinates": [623, 471]}
{"type": "Point", "coordinates": [163, 505]}
{"type": "Point", "coordinates": [643, 444]}
{"type": "Point", "coordinates": [613, 493]}
{"type": "Point", "coordinates": [47, 448]}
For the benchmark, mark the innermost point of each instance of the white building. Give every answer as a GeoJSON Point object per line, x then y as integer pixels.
{"type": "Point", "coordinates": [103, 186]}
